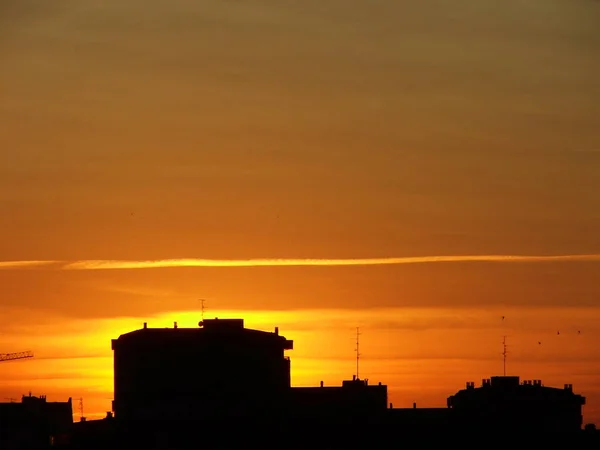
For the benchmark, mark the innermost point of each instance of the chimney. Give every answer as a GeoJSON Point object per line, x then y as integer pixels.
{"type": "Point", "coordinates": [414, 405]}
{"type": "Point", "coordinates": [277, 331]}
{"type": "Point", "coordinates": [145, 325]}
{"type": "Point", "coordinates": [321, 383]}
{"type": "Point", "coordinates": [175, 325]}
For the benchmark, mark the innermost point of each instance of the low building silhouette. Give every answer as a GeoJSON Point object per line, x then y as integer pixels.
{"type": "Point", "coordinates": [353, 398]}
{"type": "Point", "coordinates": [220, 369]}
{"type": "Point", "coordinates": [34, 423]}
{"type": "Point", "coordinates": [504, 403]}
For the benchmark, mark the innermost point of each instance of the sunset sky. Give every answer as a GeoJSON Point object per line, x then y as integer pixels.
{"type": "Point", "coordinates": [380, 158]}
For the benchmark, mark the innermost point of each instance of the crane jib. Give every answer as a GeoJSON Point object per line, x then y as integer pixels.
{"type": "Point", "coordinates": [18, 355]}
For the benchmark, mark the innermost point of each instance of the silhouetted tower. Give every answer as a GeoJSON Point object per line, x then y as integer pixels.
{"type": "Point", "coordinates": [504, 354]}
{"type": "Point", "coordinates": [81, 416]}
{"type": "Point", "coordinates": [202, 301]}
{"type": "Point", "coordinates": [357, 351]}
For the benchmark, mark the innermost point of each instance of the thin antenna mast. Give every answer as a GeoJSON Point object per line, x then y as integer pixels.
{"type": "Point", "coordinates": [82, 418]}
{"type": "Point", "coordinates": [504, 353]}
{"type": "Point", "coordinates": [202, 301]}
{"type": "Point", "coordinates": [357, 351]}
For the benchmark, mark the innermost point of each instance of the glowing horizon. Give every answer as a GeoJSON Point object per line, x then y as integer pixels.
{"type": "Point", "coordinates": [462, 344]}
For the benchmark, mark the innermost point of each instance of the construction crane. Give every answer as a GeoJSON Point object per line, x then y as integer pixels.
{"type": "Point", "coordinates": [13, 356]}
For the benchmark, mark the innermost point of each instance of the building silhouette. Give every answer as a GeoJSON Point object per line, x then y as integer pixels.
{"type": "Point", "coordinates": [34, 422]}
{"type": "Point", "coordinates": [504, 403]}
{"type": "Point", "coordinates": [353, 398]}
{"type": "Point", "coordinates": [219, 369]}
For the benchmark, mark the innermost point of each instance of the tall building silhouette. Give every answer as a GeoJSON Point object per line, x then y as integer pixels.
{"type": "Point", "coordinates": [220, 369]}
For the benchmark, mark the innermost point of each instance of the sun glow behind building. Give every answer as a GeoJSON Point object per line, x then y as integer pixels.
{"type": "Point", "coordinates": [401, 347]}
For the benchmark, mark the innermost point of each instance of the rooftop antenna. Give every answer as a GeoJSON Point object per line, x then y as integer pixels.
{"type": "Point", "coordinates": [202, 301]}
{"type": "Point", "coordinates": [504, 353]}
{"type": "Point", "coordinates": [81, 409]}
{"type": "Point", "coordinates": [357, 350]}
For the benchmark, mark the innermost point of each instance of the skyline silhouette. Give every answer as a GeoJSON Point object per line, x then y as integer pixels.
{"type": "Point", "coordinates": [518, 357]}
{"type": "Point", "coordinates": [175, 384]}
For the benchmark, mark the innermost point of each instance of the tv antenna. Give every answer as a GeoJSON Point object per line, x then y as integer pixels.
{"type": "Point", "coordinates": [81, 409]}
{"type": "Point", "coordinates": [202, 309]}
{"type": "Point", "coordinates": [357, 350]}
{"type": "Point", "coordinates": [504, 354]}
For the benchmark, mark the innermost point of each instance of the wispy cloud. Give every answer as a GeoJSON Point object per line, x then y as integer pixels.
{"type": "Point", "coordinates": [282, 262]}
{"type": "Point", "coordinates": [165, 263]}
{"type": "Point", "coordinates": [25, 264]}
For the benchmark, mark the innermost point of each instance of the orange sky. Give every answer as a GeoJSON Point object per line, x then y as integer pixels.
{"type": "Point", "coordinates": [318, 129]}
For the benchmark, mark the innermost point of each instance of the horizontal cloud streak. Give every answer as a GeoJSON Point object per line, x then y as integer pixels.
{"type": "Point", "coordinates": [165, 263]}
{"type": "Point", "coordinates": [290, 262]}
{"type": "Point", "coordinates": [25, 264]}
